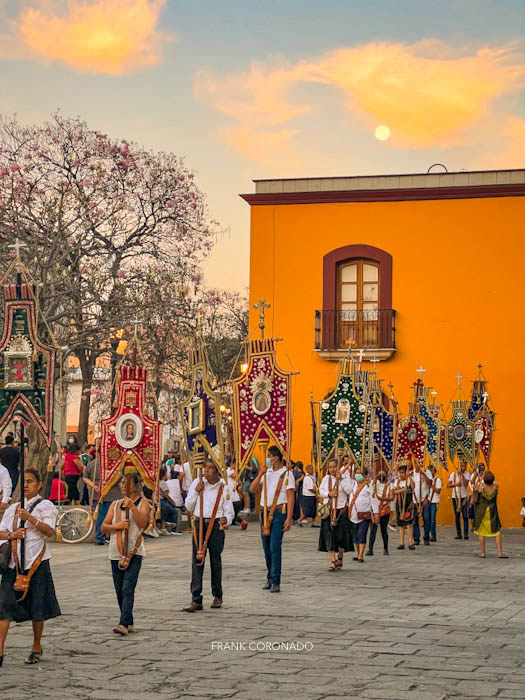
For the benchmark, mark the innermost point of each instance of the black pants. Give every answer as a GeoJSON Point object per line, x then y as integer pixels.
{"type": "Point", "coordinates": [214, 549]}
{"type": "Point", "coordinates": [462, 512]}
{"type": "Point", "coordinates": [72, 487]}
{"type": "Point", "coordinates": [383, 522]}
{"type": "Point", "coordinates": [237, 507]}
{"type": "Point", "coordinates": [125, 582]}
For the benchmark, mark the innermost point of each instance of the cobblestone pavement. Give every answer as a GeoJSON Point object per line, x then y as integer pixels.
{"type": "Point", "coordinates": [432, 624]}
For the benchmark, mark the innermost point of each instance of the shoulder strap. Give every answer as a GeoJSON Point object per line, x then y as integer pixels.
{"type": "Point", "coordinates": [212, 520]}
{"type": "Point", "coordinates": [275, 497]}
{"type": "Point", "coordinates": [354, 499]}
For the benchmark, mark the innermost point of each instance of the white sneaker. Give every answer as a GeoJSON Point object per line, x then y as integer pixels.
{"type": "Point", "coordinates": [164, 531]}
{"type": "Point", "coordinates": [178, 534]}
{"type": "Point", "coordinates": [154, 532]}
{"type": "Point", "coordinates": [392, 527]}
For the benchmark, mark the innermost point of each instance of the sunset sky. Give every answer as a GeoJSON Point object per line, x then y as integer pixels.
{"type": "Point", "coordinates": [284, 88]}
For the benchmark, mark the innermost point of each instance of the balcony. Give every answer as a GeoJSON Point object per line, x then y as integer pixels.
{"type": "Point", "coordinates": [372, 330]}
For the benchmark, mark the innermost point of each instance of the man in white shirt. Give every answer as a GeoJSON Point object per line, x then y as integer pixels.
{"type": "Point", "coordinates": [458, 481]}
{"type": "Point", "coordinates": [217, 512]}
{"type": "Point", "coordinates": [422, 482]}
{"type": "Point", "coordinates": [186, 479]}
{"type": "Point", "coordinates": [6, 486]}
{"type": "Point", "coordinates": [434, 498]}
{"type": "Point", "coordinates": [277, 488]}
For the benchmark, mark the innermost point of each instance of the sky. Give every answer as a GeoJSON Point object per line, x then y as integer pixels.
{"type": "Point", "coordinates": [288, 88]}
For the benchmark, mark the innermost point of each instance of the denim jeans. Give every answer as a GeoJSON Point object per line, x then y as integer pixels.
{"type": "Point", "coordinates": [103, 508]}
{"type": "Point", "coordinates": [272, 545]}
{"type": "Point", "coordinates": [125, 583]}
{"type": "Point", "coordinates": [168, 512]}
{"type": "Point", "coordinates": [426, 522]}
{"type": "Point", "coordinates": [433, 512]}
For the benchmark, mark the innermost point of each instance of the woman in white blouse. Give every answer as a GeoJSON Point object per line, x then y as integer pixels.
{"type": "Point", "coordinates": [335, 537]}
{"type": "Point", "coordinates": [40, 603]}
{"type": "Point", "coordinates": [360, 511]}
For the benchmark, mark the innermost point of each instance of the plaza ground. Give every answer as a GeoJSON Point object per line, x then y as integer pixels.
{"type": "Point", "coordinates": [427, 625]}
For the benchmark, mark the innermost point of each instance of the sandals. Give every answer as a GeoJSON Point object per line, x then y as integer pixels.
{"type": "Point", "coordinates": [34, 657]}
{"type": "Point", "coordinates": [339, 563]}
{"type": "Point", "coordinates": [333, 566]}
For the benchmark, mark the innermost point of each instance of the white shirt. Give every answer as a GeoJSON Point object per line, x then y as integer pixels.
{"type": "Point", "coordinates": [345, 488]}
{"type": "Point", "coordinates": [309, 488]}
{"type": "Point", "coordinates": [187, 478]}
{"type": "Point", "coordinates": [362, 503]}
{"type": "Point", "coordinates": [436, 484]}
{"type": "Point", "coordinates": [459, 490]}
{"type": "Point", "coordinates": [272, 479]}
{"type": "Point", "coordinates": [380, 490]}
{"type": "Point", "coordinates": [46, 512]}
{"type": "Point", "coordinates": [174, 491]}
{"type": "Point", "coordinates": [522, 512]}
{"type": "Point", "coordinates": [6, 485]}
{"type": "Point", "coordinates": [231, 485]}
{"type": "Point", "coordinates": [209, 497]}
{"type": "Point", "coordinates": [421, 484]}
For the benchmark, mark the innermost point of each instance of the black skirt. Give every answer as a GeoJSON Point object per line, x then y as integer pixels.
{"type": "Point", "coordinates": [40, 602]}
{"type": "Point", "coordinates": [309, 506]}
{"type": "Point", "coordinates": [339, 536]}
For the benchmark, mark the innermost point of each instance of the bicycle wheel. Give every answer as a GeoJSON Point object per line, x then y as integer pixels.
{"type": "Point", "coordinates": [75, 525]}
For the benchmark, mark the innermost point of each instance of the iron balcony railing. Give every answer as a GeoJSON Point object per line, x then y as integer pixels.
{"type": "Point", "coordinates": [370, 328]}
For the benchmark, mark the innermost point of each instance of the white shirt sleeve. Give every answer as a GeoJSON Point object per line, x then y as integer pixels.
{"type": "Point", "coordinates": [191, 498]}
{"type": "Point", "coordinates": [346, 484]}
{"type": "Point", "coordinates": [323, 489]}
{"type": "Point", "coordinates": [6, 485]}
{"type": "Point", "coordinates": [227, 506]}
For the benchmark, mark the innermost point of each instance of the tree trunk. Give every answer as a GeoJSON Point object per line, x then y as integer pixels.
{"type": "Point", "coordinates": [87, 366]}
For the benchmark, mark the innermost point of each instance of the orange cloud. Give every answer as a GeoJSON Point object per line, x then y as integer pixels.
{"type": "Point", "coordinates": [511, 139]}
{"type": "Point", "coordinates": [427, 93]}
{"type": "Point", "coordinates": [94, 36]}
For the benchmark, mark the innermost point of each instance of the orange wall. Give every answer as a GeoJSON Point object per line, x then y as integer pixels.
{"type": "Point", "coordinates": [458, 289]}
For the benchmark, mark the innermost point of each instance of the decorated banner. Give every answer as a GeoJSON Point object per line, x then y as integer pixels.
{"type": "Point", "coordinates": [484, 432]}
{"type": "Point", "coordinates": [382, 424]}
{"type": "Point", "coordinates": [442, 451]}
{"type": "Point", "coordinates": [460, 433]}
{"type": "Point", "coordinates": [344, 416]}
{"type": "Point", "coordinates": [130, 438]}
{"type": "Point", "coordinates": [427, 412]}
{"type": "Point", "coordinates": [412, 438]}
{"type": "Point", "coordinates": [201, 415]}
{"type": "Point", "coordinates": [27, 365]}
{"type": "Point", "coordinates": [261, 403]}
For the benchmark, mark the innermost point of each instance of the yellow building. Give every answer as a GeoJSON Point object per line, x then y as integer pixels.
{"type": "Point", "coordinates": [414, 269]}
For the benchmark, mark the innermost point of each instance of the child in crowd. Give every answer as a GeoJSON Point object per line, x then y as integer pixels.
{"type": "Point", "coordinates": [522, 512]}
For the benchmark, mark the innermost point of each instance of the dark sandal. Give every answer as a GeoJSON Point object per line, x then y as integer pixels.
{"type": "Point", "coordinates": [34, 657]}
{"type": "Point", "coordinates": [332, 567]}
{"type": "Point", "coordinates": [339, 564]}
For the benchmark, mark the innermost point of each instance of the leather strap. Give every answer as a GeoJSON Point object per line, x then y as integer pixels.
{"type": "Point", "coordinates": [354, 499]}
{"type": "Point", "coordinates": [14, 548]}
{"type": "Point", "coordinates": [212, 521]}
{"type": "Point", "coordinates": [125, 558]}
{"type": "Point", "coordinates": [275, 497]}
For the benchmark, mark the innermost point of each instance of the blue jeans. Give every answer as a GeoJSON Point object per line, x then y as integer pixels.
{"type": "Point", "coordinates": [272, 545]}
{"type": "Point", "coordinates": [426, 522]}
{"type": "Point", "coordinates": [103, 508]}
{"type": "Point", "coordinates": [125, 583]}
{"type": "Point", "coordinates": [433, 512]}
{"type": "Point", "coordinates": [168, 512]}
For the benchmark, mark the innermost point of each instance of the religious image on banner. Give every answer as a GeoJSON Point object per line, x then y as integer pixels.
{"type": "Point", "coordinates": [27, 365]}
{"type": "Point", "coordinates": [261, 402]}
{"type": "Point", "coordinates": [343, 416]}
{"type": "Point", "coordinates": [130, 437]}
{"type": "Point", "coordinates": [412, 438]}
{"type": "Point", "coordinates": [200, 413]}
{"type": "Point", "coordinates": [461, 433]}
{"type": "Point", "coordinates": [483, 417]}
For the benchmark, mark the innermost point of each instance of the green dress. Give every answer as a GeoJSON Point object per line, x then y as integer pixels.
{"type": "Point", "coordinates": [486, 518]}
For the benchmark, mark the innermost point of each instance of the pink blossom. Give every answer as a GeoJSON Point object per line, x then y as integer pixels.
{"type": "Point", "coordinates": [14, 168]}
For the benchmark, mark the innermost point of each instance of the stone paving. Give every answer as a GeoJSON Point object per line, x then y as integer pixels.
{"type": "Point", "coordinates": [433, 624]}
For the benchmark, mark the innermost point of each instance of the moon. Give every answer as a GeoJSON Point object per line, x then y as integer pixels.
{"type": "Point", "coordinates": [382, 133]}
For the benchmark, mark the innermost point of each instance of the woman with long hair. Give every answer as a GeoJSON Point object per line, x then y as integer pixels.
{"type": "Point", "coordinates": [335, 537]}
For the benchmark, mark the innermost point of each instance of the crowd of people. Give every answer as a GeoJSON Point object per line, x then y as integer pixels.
{"type": "Point", "coordinates": [348, 506]}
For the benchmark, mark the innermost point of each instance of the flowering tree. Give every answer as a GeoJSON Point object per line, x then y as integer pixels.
{"type": "Point", "coordinates": [96, 215]}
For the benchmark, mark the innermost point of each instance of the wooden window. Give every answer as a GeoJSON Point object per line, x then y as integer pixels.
{"type": "Point", "coordinates": [358, 302]}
